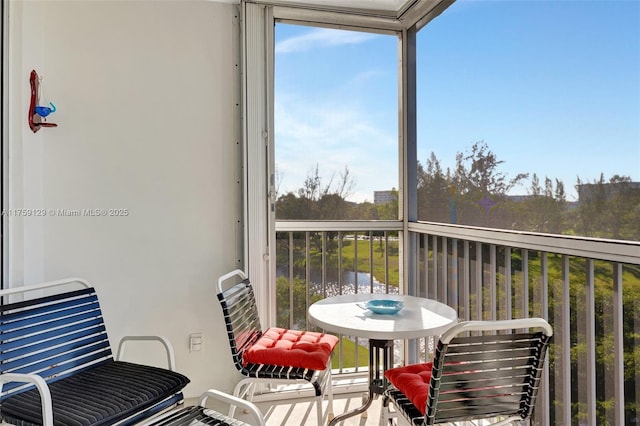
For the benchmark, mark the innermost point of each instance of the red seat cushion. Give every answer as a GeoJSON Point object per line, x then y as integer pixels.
{"type": "Point", "coordinates": [292, 348]}
{"type": "Point", "coordinates": [413, 381]}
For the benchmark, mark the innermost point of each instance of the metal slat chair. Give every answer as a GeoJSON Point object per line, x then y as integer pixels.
{"type": "Point", "coordinates": [481, 370]}
{"type": "Point", "coordinates": [200, 415]}
{"type": "Point", "coordinates": [243, 328]}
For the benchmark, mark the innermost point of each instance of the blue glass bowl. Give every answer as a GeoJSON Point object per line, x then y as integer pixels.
{"type": "Point", "coordinates": [384, 306]}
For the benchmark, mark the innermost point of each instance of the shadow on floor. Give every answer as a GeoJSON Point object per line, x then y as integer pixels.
{"type": "Point", "coordinates": [303, 413]}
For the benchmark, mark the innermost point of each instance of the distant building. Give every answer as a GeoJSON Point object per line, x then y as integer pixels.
{"type": "Point", "coordinates": [383, 197]}
{"type": "Point", "coordinates": [588, 190]}
{"type": "Point", "coordinates": [569, 205]}
{"type": "Point", "coordinates": [519, 198]}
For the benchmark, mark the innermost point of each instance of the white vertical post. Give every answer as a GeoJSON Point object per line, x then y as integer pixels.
{"type": "Point", "coordinates": [466, 279]}
{"type": "Point", "coordinates": [507, 282]}
{"type": "Point", "coordinates": [444, 272]}
{"type": "Point", "coordinates": [408, 164]}
{"type": "Point", "coordinates": [618, 344]}
{"type": "Point", "coordinates": [590, 324]}
{"type": "Point", "coordinates": [565, 362]}
{"type": "Point", "coordinates": [455, 282]}
{"type": "Point", "coordinates": [493, 282]}
{"type": "Point", "coordinates": [525, 283]}
{"type": "Point", "coordinates": [545, 414]}
{"type": "Point", "coordinates": [257, 84]}
{"type": "Point", "coordinates": [479, 268]}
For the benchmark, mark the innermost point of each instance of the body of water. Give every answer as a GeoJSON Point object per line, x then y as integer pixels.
{"type": "Point", "coordinates": [351, 282]}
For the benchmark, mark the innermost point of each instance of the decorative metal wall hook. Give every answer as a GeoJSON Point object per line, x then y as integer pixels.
{"type": "Point", "coordinates": [38, 113]}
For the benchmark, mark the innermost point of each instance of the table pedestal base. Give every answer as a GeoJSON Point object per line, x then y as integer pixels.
{"type": "Point", "coordinates": [380, 360]}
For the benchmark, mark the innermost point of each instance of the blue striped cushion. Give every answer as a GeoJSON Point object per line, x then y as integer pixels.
{"type": "Point", "coordinates": [101, 395]}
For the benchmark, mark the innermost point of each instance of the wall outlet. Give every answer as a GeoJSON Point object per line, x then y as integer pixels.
{"type": "Point", "coordinates": [195, 342]}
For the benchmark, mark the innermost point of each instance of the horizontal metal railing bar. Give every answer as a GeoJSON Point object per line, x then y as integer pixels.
{"type": "Point", "coordinates": [592, 248]}
{"type": "Point", "coordinates": [338, 225]}
{"type": "Point", "coordinates": [612, 250]}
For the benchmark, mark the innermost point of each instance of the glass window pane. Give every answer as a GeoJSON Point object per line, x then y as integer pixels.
{"type": "Point", "coordinates": [528, 117]}
{"type": "Point", "coordinates": [336, 124]}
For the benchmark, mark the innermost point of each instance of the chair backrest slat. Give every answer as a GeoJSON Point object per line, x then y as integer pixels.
{"type": "Point", "coordinates": [485, 376]}
{"type": "Point", "coordinates": [52, 336]}
{"type": "Point", "coordinates": [495, 366]}
{"type": "Point", "coordinates": [466, 410]}
{"type": "Point", "coordinates": [482, 379]}
{"type": "Point", "coordinates": [21, 346]}
{"type": "Point", "coordinates": [241, 319]}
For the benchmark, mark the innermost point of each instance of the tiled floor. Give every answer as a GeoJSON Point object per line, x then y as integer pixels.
{"type": "Point", "coordinates": [297, 413]}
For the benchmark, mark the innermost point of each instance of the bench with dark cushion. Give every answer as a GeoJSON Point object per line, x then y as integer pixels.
{"type": "Point", "coordinates": [57, 367]}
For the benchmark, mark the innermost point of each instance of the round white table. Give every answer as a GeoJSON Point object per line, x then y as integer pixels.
{"type": "Point", "coordinates": [420, 317]}
{"type": "Point", "coordinates": [346, 315]}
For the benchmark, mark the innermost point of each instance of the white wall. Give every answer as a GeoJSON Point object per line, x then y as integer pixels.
{"type": "Point", "coordinates": [148, 120]}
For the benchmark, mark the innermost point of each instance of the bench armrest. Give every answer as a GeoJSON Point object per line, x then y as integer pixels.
{"type": "Point", "coordinates": [171, 359]}
{"type": "Point", "coordinates": [43, 390]}
{"type": "Point", "coordinates": [232, 400]}
{"type": "Point", "coordinates": [41, 286]}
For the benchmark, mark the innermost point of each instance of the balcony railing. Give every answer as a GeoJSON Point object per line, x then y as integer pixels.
{"type": "Point", "coordinates": [589, 290]}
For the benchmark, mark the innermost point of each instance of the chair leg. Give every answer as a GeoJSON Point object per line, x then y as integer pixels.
{"type": "Point", "coordinates": [386, 416]}
{"type": "Point", "coordinates": [365, 397]}
{"type": "Point", "coordinates": [319, 410]}
{"type": "Point", "coordinates": [329, 394]}
{"type": "Point", "coordinates": [241, 388]}
{"type": "Point", "coordinates": [244, 389]}
{"type": "Point", "coordinates": [250, 393]}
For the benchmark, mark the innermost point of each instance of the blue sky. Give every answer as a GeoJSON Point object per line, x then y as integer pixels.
{"type": "Point", "coordinates": [552, 87]}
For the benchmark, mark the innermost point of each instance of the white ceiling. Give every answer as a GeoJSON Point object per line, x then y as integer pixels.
{"type": "Point", "coordinates": [402, 13]}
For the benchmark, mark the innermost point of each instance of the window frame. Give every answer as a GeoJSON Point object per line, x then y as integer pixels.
{"type": "Point", "coordinates": [258, 43]}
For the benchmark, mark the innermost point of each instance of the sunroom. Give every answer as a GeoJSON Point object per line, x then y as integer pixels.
{"type": "Point", "coordinates": [215, 150]}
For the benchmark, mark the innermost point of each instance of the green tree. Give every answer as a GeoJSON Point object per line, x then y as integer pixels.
{"type": "Point", "coordinates": [317, 200]}
{"type": "Point", "coordinates": [544, 208]}
{"type": "Point", "coordinates": [623, 208]}
{"type": "Point", "coordinates": [591, 207]}
{"type": "Point", "coordinates": [608, 209]}
{"type": "Point", "coordinates": [433, 192]}
{"type": "Point", "coordinates": [473, 194]}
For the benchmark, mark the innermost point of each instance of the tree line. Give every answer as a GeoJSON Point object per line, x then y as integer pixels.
{"type": "Point", "coordinates": [475, 193]}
